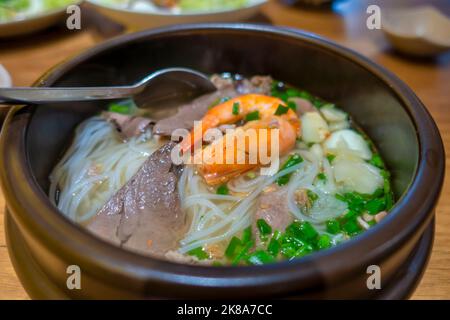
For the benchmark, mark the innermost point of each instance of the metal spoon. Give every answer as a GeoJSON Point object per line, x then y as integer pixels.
{"type": "Point", "coordinates": [165, 84]}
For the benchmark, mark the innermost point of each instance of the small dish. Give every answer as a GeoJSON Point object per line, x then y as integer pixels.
{"type": "Point", "coordinates": [150, 16]}
{"type": "Point", "coordinates": [419, 31]}
{"type": "Point", "coordinates": [32, 23]}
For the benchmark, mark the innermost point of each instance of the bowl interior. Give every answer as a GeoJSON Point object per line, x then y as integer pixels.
{"type": "Point", "coordinates": [301, 62]}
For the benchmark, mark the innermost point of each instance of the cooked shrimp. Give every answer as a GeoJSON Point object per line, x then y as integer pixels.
{"type": "Point", "coordinates": [267, 113]}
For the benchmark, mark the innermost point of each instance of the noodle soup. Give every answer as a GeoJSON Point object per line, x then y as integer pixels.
{"type": "Point", "coordinates": [118, 178]}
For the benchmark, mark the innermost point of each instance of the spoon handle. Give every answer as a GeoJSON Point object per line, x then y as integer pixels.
{"type": "Point", "coordinates": [39, 95]}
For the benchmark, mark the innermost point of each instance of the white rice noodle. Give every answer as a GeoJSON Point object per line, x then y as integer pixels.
{"type": "Point", "coordinates": [97, 164]}
{"type": "Point", "coordinates": [228, 215]}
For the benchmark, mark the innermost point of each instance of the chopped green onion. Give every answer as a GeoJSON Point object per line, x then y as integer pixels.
{"type": "Point", "coordinates": [376, 205]}
{"type": "Point", "coordinates": [377, 161]}
{"type": "Point", "coordinates": [281, 110]}
{"type": "Point", "coordinates": [199, 253]}
{"type": "Point", "coordinates": [324, 242]}
{"type": "Point", "coordinates": [230, 251]}
{"type": "Point", "coordinates": [322, 176]}
{"type": "Point", "coordinates": [351, 227]}
{"type": "Point", "coordinates": [333, 226]}
{"type": "Point", "coordinates": [246, 235]}
{"type": "Point", "coordinates": [303, 251]}
{"type": "Point", "coordinates": [252, 116]}
{"type": "Point", "coordinates": [223, 190]}
{"type": "Point", "coordinates": [308, 230]}
{"type": "Point", "coordinates": [274, 245]}
{"type": "Point", "coordinates": [260, 257]}
{"type": "Point", "coordinates": [243, 252]}
{"type": "Point", "coordinates": [122, 108]}
{"type": "Point", "coordinates": [302, 230]}
{"type": "Point", "coordinates": [330, 157]}
{"type": "Point", "coordinates": [236, 108]}
{"type": "Point", "coordinates": [290, 162]}
{"type": "Point", "coordinates": [263, 227]}
{"type": "Point", "coordinates": [292, 105]}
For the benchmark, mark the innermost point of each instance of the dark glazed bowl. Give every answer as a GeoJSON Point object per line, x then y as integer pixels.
{"type": "Point", "coordinates": [43, 243]}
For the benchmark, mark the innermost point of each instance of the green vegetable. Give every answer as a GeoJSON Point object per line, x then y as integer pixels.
{"type": "Point", "coordinates": [223, 190]}
{"type": "Point", "coordinates": [274, 245]}
{"type": "Point", "coordinates": [260, 257]}
{"type": "Point", "coordinates": [376, 205]}
{"type": "Point", "coordinates": [333, 226]}
{"type": "Point", "coordinates": [199, 253]}
{"type": "Point", "coordinates": [234, 244]}
{"type": "Point", "coordinates": [292, 105]}
{"type": "Point", "coordinates": [351, 227]}
{"type": "Point", "coordinates": [243, 252]}
{"type": "Point", "coordinates": [324, 242]}
{"type": "Point", "coordinates": [252, 116]}
{"type": "Point", "coordinates": [236, 108]}
{"type": "Point", "coordinates": [322, 176]}
{"type": "Point", "coordinates": [263, 227]}
{"type": "Point", "coordinates": [377, 161]}
{"type": "Point", "coordinates": [330, 157]}
{"type": "Point", "coordinates": [123, 107]}
{"type": "Point", "coordinates": [301, 230]}
{"type": "Point", "coordinates": [247, 235]}
{"type": "Point", "coordinates": [281, 110]}
{"type": "Point", "coordinates": [290, 162]}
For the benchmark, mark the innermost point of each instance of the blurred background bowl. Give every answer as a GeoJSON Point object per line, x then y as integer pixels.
{"type": "Point", "coordinates": [34, 22]}
{"type": "Point", "coordinates": [154, 17]}
{"type": "Point", "coordinates": [419, 31]}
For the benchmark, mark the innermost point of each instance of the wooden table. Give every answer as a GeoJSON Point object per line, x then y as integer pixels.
{"type": "Point", "coordinates": [28, 58]}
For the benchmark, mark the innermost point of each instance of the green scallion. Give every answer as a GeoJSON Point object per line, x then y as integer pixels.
{"type": "Point", "coordinates": [235, 108]}
{"type": "Point", "coordinates": [252, 116]}
{"type": "Point", "coordinates": [281, 110]}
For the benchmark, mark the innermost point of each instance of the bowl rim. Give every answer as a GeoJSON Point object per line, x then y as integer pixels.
{"type": "Point", "coordinates": [32, 209]}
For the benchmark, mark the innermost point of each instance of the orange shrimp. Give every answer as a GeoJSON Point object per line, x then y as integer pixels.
{"type": "Point", "coordinates": [268, 113]}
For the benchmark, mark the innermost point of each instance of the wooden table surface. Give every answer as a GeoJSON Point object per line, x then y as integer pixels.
{"type": "Point", "coordinates": [28, 58]}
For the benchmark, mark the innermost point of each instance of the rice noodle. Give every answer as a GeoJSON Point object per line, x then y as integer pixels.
{"type": "Point", "coordinates": [237, 210]}
{"type": "Point", "coordinates": [97, 164]}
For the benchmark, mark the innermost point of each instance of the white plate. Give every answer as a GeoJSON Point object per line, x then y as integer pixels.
{"type": "Point", "coordinates": [32, 23]}
{"type": "Point", "coordinates": [151, 17]}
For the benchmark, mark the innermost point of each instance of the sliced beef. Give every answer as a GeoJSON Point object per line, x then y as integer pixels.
{"type": "Point", "coordinates": [272, 207]}
{"type": "Point", "coordinates": [128, 126]}
{"type": "Point", "coordinates": [192, 111]}
{"type": "Point", "coordinates": [195, 110]}
{"type": "Point", "coordinates": [145, 214]}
